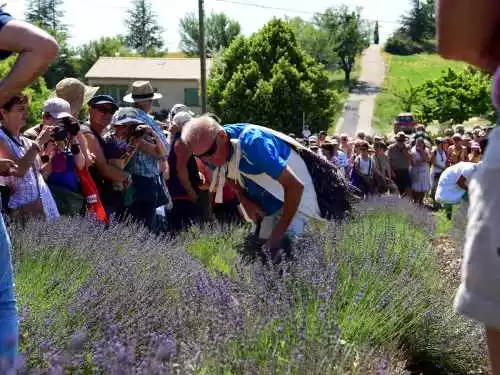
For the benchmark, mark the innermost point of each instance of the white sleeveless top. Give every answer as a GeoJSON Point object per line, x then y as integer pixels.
{"type": "Point", "coordinates": [31, 186]}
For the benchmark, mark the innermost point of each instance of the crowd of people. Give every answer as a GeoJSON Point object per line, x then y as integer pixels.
{"type": "Point", "coordinates": [121, 164]}
{"type": "Point", "coordinates": [409, 165]}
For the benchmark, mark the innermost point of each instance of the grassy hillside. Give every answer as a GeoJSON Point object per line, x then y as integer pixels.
{"type": "Point", "coordinates": [400, 70]}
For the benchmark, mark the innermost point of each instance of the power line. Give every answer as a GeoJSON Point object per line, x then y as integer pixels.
{"type": "Point", "coordinates": [266, 7]}
{"type": "Point", "coordinates": [290, 10]}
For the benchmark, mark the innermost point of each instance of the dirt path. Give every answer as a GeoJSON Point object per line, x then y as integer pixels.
{"type": "Point", "coordinates": [359, 107]}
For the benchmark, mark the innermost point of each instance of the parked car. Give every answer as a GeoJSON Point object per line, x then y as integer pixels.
{"type": "Point", "coordinates": [404, 122]}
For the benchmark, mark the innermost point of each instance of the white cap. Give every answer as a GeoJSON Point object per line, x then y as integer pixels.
{"type": "Point", "coordinates": [182, 117]}
{"type": "Point", "coordinates": [58, 108]}
{"type": "Point", "coordinates": [313, 138]}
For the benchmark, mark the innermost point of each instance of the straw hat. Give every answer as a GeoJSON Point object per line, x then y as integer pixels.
{"type": "Point", "coordinates": [74, 92]}
{"type": "Point", "coordinates": [141, 91]}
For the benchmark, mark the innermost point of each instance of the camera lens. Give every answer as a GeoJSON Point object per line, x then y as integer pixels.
{"type": "Point", "coordinates": [71, 126]}
{"type": "Point", "coordinates": [60, 134]}
{"type": "Point", "coordinates": [75, 149]}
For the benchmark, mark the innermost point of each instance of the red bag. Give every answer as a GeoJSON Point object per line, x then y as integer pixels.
{"type": "Point", "coordinates": [89, 191]}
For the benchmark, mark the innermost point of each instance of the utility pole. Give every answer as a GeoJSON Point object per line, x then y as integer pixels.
{"type": "Point", "coordinates": [203, 57]}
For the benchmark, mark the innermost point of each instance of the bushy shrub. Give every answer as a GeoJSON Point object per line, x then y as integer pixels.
{"type": "Point", "coordinates": [399, 44]}
{"type": "Point", "coordinates": [119, 301]}
{"type": "Point", "coordinates": [429, 46]}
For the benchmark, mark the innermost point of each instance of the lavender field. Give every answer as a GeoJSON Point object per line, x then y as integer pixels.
{"type": "Point", "coordinates": [365, 297]}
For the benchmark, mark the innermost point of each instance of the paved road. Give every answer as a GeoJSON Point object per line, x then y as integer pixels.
{"type": "Point", "coordinates": [360, 105]}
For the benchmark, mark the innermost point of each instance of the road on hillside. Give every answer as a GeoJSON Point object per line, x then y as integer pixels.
{"type": "Point", "coordinates": [359, 107]}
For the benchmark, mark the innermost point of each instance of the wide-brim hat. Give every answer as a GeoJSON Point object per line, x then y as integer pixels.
{"type": "Point", "coordinates": [74, 92]}
{"type": "Point", "coordinates": [140, 92]}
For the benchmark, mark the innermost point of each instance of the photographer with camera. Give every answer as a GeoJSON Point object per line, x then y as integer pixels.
{"type": "Point", "coordinates": [29, 194]}
{"type": "Point", "coordinates": [65, 166]}
{"type": "Point", "coordinates": [136, 148]}
{"type": "Point", "coordinates": [62, 157]}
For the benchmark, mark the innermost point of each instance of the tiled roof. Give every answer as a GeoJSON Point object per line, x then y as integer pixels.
{"type": "Point", "coordinates": [146, 68]}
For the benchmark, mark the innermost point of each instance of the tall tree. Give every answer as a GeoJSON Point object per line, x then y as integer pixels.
{"type": "Point", "coordinates": [268, 79]}
{"type": "Point", "coordinates": [376, 36]}
{"type": "Point", "coordinates": [314, 41]}
{"type": "Point", "coordinates": [47, 14]}
{"type": "Point", "coordinates": [144, 32]}
{"type": "Point", "coordinates": [420, 23]}
{"type": "Point", "coordinates": [348, 35]}
{"type": "Point", "coordinates": [90, 52]}
{"type": "Point", "coordinates": [220, 31]}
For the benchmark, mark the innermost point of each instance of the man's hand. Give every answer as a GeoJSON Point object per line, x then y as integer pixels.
{"type": "Point", "coordinates": [252, 210]}
{"type": "Point", "coordinates": [274, 242]}
{"type": "Point", "coordinates": [7, 167]}
{"type": "Point", "coordinates": [45, 135]}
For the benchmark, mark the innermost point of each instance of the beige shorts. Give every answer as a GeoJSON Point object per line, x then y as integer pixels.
{"type": "Point", "coordinates": [479, 294]}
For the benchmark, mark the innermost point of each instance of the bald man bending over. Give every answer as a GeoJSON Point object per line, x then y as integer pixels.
{"type": "Point", "coordinates": [271, 180]}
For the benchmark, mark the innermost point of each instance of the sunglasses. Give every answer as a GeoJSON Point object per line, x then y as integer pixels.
{"type": "Point", "coordinates": [105, 110]}
{"type": "Point", "coordinates": [211, 150]}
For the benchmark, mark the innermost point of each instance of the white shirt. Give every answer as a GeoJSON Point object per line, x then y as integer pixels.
{"type": "Point", "coordinates": [440, 162]}
{"type": "Point", "coordinates": [365, 166]}
{"type": "Point", "coordinates": [447, 190]}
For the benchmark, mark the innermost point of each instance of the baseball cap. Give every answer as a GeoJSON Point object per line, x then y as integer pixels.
{"type": "Point", "coordinates": [125, 116]}
{"type": "Point", "coordinates": [475, 145]}
{"type": "Point", "coordinates": [313, 138]}
{"type": "Point", "coordinates": [182, 117]}
{"type": "Point", "coordinates": [58, 108]}
{"type": "Point", "coordinates": [178, 108]}
{"type": "Point", "coordinates": [102, 99]}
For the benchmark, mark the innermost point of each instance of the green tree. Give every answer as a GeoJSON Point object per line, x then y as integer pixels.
{"type": "Point", "coordinates": [220, 31]}
{"type": "Point", "coordinates": [144, 32]}
{"type": "Point", "coordinates": [409, 96]}
{"type": "Point", "coordinates": [456, 96]}
{"type": "Point", "coordinates": [269, 80]}
{"type": "Point", "coordinates": [420, 23]}
{"type": "Point", "coordinates": [47, 14]}
{"type": "Point", "coordinates": [65, 64]}
{"type": "Point", "coordinates": [348, 35]}
{"type": "Point", "coordinates": [314, 41]}
{"type": "Point", "coordinates": [376, 37]}
{"type": "Point", "coordinates": [37, 90]}
{"type": "Point", "coordinates": [90, 52]}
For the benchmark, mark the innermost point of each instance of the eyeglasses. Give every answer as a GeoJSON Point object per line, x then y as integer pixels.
{"type": "Point", "coordinates": [105, 110]}
{"type": "Point", "coordinates": [211, 150]}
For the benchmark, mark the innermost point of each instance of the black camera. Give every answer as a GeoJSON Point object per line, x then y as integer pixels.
{"type": "Point", "coordinates": [138, 133]}
{"type": "Point", "coordinates": [66, 127]}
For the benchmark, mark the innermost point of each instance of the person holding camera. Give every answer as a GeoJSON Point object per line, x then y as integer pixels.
{"type": "Point", "coordinates": [62, 157]}
{"type": "Point", "coordinates": [66, 167]}
{"type": "Point", "coordinates": [30, 195]}
{"type": "Point", "coordinates": [142, 97]}
{"type": "Point", "coordinates": [135, 147]}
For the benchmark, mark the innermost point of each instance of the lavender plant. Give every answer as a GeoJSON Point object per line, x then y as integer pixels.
{"type": "Point", "coordinates": [358, 298]}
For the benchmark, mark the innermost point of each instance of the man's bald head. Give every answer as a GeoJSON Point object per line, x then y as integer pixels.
{"type": "Point", "coordinates": [200, 129]}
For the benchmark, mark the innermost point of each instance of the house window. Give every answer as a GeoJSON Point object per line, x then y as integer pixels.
{"type": "Point", "coordinates": [117, 92]}
{"type": "Point", "coordinates": [191, 97]}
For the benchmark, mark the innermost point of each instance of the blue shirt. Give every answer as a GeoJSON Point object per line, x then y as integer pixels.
{"type": "Point", "coordinates": [142, 163]}
{"type": "Point", "coordinates": [5, 18]}
{"type": "Point", "coordinates": [261, 152]}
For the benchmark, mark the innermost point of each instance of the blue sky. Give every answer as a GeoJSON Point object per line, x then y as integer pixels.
{"type": "Point", "coordinates": [91, 19]}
